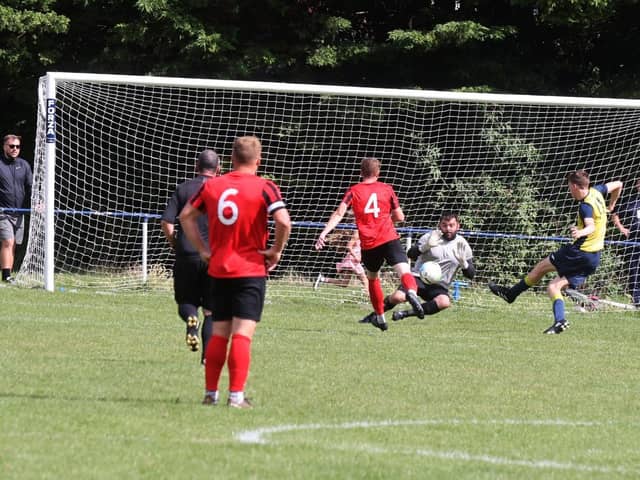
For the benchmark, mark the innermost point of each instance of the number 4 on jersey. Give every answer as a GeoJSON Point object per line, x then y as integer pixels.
{"type": "Point", "coordinates": [372, 205]}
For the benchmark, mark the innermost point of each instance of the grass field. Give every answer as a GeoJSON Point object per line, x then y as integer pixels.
{"type": "Point", "coordinates": [98, 386]}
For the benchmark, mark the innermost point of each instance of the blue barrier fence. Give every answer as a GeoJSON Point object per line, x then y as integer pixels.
{"type": "Point", "coordinates": [318, 225]}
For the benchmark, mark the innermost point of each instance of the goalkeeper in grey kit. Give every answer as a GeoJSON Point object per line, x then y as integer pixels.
{"type": "Point", "coordinates": [451, 251]}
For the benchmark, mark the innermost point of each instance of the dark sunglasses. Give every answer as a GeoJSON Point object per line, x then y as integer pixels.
{"type": "Point", "coordinates": [13, 146]}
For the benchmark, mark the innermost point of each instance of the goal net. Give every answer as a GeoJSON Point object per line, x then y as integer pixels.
{"type": "Point", "coordinates": [111, 149]}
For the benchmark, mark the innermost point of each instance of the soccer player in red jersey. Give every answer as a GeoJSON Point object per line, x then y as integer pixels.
{"type": "Point", "coordinates": [238, 205]}
{"type": "Point", "coordinates": [376, 209]}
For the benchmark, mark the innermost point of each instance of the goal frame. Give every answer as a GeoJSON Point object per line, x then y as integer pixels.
{"type": "Point", "coordinates": [52, 79]}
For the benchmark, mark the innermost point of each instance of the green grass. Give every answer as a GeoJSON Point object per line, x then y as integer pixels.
{"type": "Point", "coordinates": [102, 386]}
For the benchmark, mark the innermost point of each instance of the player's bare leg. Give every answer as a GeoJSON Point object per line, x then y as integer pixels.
{"type": "Point", "coordinates": [509, 295]}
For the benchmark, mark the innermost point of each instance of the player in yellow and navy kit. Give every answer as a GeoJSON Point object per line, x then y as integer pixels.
{"type": "Point", "coordinates": [576, 261]}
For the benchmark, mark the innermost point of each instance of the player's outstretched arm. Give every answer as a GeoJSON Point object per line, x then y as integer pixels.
{"type": "Point", "coordinates": [619, 225]}
{"type": "Point", "coordinates": [334, 220]}
{"type": "Point", "coordinates": [431, 240]}
{"type": "Point", "coordinates": [397, 215]}
{"type": "Point", "coordinates": [615, 189]}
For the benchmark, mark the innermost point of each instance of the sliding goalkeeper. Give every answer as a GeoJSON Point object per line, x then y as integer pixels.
{"type": "Point", "coordinates": [445, 246]}
{"type": "Point", "coordinates": [576, 261]}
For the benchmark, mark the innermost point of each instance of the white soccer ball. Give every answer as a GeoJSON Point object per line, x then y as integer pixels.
{"type": "Point", "coordinates": [430, 272]}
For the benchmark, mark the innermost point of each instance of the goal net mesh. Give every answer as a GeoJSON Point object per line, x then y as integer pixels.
{"type": "Point", "coordinates": [122, 148]}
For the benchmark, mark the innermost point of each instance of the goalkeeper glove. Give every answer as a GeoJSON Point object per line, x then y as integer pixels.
{"type": "Point", "coordinates": [459, 254]}
{"type": "Point", "coordinates": [435, 238]}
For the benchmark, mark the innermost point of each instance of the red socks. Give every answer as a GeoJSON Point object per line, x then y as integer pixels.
{"type": "Point", "coordinates": [376, 296]}
{"type": "Point", "coordinates": [215, 356]}
{"type": "Point", "coordinates": [239, 361]}
{"type": "Point", "coordinates": [408, 281]}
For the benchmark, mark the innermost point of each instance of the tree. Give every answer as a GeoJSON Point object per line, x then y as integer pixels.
{"type": "Point", "coordinates": [28, 46]}
{"type": "Point", "coordinates": [562, 47]}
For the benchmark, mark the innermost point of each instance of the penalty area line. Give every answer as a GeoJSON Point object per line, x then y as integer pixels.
{"type": "Point", "coordinates": [264, 435]}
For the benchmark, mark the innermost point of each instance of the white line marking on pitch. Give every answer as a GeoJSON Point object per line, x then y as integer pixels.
{"type": "Point", "coordinates": [263, 436]}
{"type": "Point", "coordinates": [257, 435]}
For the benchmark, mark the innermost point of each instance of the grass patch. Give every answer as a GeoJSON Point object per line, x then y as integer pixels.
{"type": "Point", "coordinates": [102, 386]}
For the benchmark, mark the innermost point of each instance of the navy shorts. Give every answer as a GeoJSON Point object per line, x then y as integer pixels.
{"type": "Point", "coordinates": [236, 297]}
{"type": "Point", "coordinates": [190, 280]}
{"type": "Point", "coordinates": [391, 252]}
{"type": "Point", "coordinates": [574, 264]}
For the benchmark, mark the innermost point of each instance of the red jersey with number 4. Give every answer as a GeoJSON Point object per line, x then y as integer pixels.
{"type": "Point", "coordinates": [372, 204]}
{"type": "Point", "coordinates": [238, 206]}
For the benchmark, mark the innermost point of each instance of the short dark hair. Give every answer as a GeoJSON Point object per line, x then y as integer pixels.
{"type": "Point", "coordinates": [208, 160]}
{"type": "Point", "coordinates": [448, 215]}
{"type": "Point", "coordinates": [579, 178]}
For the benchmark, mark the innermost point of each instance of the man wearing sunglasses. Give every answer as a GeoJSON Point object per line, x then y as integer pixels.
{"type": "Point", "coordinates": [15, 193]}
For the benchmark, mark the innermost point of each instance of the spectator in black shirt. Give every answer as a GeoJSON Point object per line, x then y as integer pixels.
{"type": "Point", "coordinates": [16, 179]}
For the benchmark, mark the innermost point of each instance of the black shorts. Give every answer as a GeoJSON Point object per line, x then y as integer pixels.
{"type": "Point", "coordinates": [429, 291]}
{"type": "Point", "coordinates": [391, 252]}
{"type": "Point", "coordinates": [236, 297]}
{"type": "Point", "coordinates": [190, 280]}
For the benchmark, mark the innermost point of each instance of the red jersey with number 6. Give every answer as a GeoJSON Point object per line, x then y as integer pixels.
{"type": "Point", "coordinates": [372, 204]}
{"type": "Point", "coordinates": [238, 206]}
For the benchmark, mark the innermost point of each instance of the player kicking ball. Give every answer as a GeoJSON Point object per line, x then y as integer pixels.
{"type": "Point", "coordinates": [573, 262]}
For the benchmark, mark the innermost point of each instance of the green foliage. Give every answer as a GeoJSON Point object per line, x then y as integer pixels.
{"type": "Point", "coordinates": [333, 26]}
{"type": "Point", "coordinates": [511, 150]}
{"type": "Point", "coordinates": [574, 47]}
{"type": "Point", "coordinates": [511, 204]}
{"type": "Point", "coordinates": [476, 89]}
{"type": "Point", "coordinates": [332, 56]}
{"type": "Point", "coordinates": [28, 37]}
{"type": "Point", "coordinates": [324, 57]}
{"type": "Point", "coordinates": [427, 156]}
{"type": "Point", "coordinates": [572, 12]}
{"type": "Point", "coordinates": [154, 8]}
{"type": "Point", "coordinates": [456, 34]}
{"type": "Point", "coordinates": [612, 262]}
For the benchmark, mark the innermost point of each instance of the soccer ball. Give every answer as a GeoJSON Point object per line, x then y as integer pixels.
{"type": "Point", "coordinates": [430, 272]}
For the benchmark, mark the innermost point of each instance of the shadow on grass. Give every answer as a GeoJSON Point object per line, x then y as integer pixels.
{"type": "Point", "coordinates": [54, 397]}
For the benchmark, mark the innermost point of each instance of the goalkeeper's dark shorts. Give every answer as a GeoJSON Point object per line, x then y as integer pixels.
{"type": "Point", "coordinates": [574, 264]}
{"type": "Point", "coordinates": [190, 280]}
{"type": "Point", "coordinates": [236, 297]}
{"type": "Point", "coordinates": [427, 291]}
{"type": "Point", "coordinates": [391, 252]}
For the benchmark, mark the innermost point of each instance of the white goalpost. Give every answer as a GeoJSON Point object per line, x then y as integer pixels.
{"type": "Point", "coordinates": [110, 150]}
